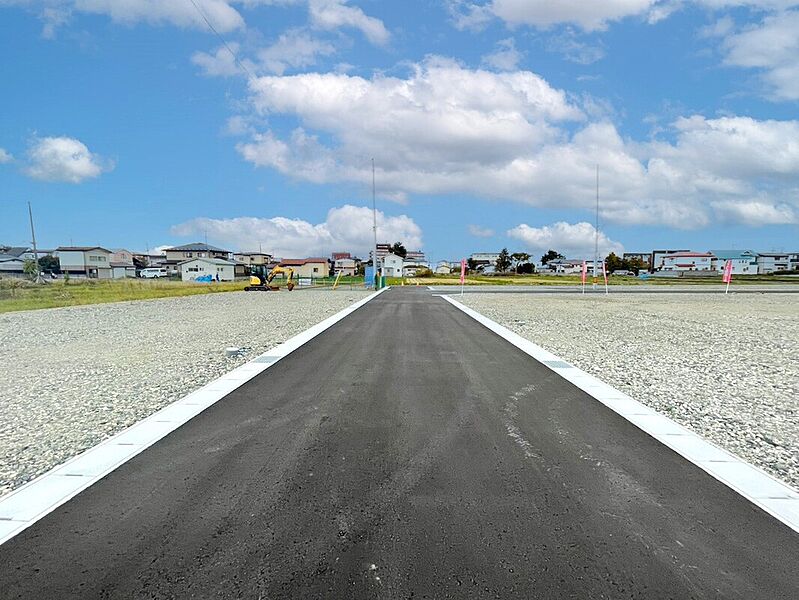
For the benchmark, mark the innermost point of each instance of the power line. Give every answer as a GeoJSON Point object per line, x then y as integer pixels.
{"type": "Point", "coordinates": [240, 64]}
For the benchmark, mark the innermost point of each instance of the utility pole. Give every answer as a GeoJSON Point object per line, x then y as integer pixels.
{"type": "Point", "coordinates": [38, 276]}
{"type": "Point", "coordinates": [374, 225]}
{"type": "Point", "coordinates": [596, 230]}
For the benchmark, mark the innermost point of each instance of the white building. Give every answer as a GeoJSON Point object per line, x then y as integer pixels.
{"type": "Point", "coordinates": [93, 262]}
{"type": "Point", "coordinates": [199, 268]}
{"type": "Point", "coordinates": [346, 266]}
{"type": "Point", "coordinates": [391, 265]}
{"type": "Point", "coordinates": [744, 262]}
{"type": "Point", "coordinates": [688, 261]}
{"type": "Point", "coordinates": [772, 262]}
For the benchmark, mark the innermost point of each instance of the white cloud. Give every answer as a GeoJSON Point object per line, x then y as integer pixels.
{"type": "Point", "coordinates": [5, 157]}
{"type": "Point", "coordinates": [334, 14]}
{"type": "Point", "coordinates": [589, 15]}
{"type": "Point", "coordinates": [346, 228]}
{"type": "Point", "coordinates": [221, 63]}
{"type": "Point", "coordinates": [63, 159]}
{"type": "Point", "coordinates": [773, 46]}
{"type": "Point", "coordinates": [573, 240]}
{"type": "Point", "coordinates": [755, 212]}
{"type": "Point", "coordinates": [446, 129]}
{"type": "Point", "coordinates": [482, 232]}
{"type": "Point", "coordinates": [155, 12]}
{"type": "Point", "coordinates": [294, 49]}
{"type": "Point", "coordinates": [506, 57]}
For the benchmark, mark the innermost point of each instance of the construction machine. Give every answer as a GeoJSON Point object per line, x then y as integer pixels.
{"type": "Point", "coordinates": [259, 282]}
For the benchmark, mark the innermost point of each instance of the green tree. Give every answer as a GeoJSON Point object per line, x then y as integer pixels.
{"type": "Point", "coordinates": [503, 262]}
{"type": "Point", "coordinates": [471, 264]}
{"type": "Point", "coordinates": [49, 264]}
{"type": "Point", "coordinates": [551, 255]}
{"type": "Point", "coordinates": [399, 249]}
{"type": "Point", "coordinates": [613, 263]}
{"type": "Point", "coordinates": [29, 268]}
{"type": "Point", "coordinates": [519, 259]}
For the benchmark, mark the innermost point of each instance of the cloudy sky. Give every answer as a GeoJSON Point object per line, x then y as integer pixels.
{"type": "Point", "coordinates": [133, 124]}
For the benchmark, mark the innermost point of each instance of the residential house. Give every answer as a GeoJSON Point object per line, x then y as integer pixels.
{"type": "Point", "coordinates": [10, 265]}
{"type": "Point", "coordinates": [382, 250]}
{"type": "Point", "coordinates": [744, 262]}
{"type": "Point", "coordinates": [179, 254]}
{"type": "Point", "coordinates": [121, 262]}
{"type": "Point", "coordinates": [392, 265]}
{"type": "Point", "coordinates": [345, 265]}
{"type": "Point", "coordinates": [12, 260]}
{"type": "Point", "coordinates": [218, 269]}
{"type": "Point", "coordinates": [565, 266]}
{"type": "Point", "coordinates": [484, 258]}
{"type": "Point", "coordinates": [658, 257]}
{"type": "Point", "coordinates": [252, 258]}
{"type": "Point", "coordinates": [411, 267]}
{"type": "Point", "coordinates": [444, 267]}
{"type": "Point", "coordinates": [149, 260]}
{"type": "Point", "coordinates": [313, 268]}
{"type": "Point", "coordinates": [794, 261]}
{"type": "Point", "coordinates": [93, 262]}
{"type": "Point", "coordinates": [773, 262]}
{"type": "Point", "coordinates": [688, 261]}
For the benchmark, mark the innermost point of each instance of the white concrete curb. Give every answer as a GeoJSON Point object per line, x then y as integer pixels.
{"type": "Point", "coordinates": [772, 495]}
{"type": "Point", "coordinates": [24, 506]}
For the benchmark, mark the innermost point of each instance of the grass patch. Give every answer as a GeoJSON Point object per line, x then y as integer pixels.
{"type": "Point", "coordinates": [18, 294]}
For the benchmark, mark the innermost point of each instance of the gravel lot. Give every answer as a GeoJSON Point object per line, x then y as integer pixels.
{"type": "Point", "coordinates": [75, 376]}
{"type": "Point", "coordinates": [725, 366]}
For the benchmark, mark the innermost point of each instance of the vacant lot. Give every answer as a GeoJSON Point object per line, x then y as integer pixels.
{"type": "Point", "coordinates": [75, 376]}
{"type": "Point", "coordinates": [725, 366]}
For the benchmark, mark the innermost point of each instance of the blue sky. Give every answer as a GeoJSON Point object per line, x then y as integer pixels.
{"type": "Point", "coordinates": [130, 125]}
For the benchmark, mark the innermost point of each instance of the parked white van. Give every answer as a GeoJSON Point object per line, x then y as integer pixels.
{"type": "Point", "coordinates": [152, 272]}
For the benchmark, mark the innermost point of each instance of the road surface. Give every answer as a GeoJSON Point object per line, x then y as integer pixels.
{"type": "Point", "coordinates": [407, 452]}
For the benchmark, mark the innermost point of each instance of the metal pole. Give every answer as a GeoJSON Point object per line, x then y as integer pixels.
{"type": "Point", "coordinates": [596, 231]}
{"type": "Point", "coordinates": [374, 226]}
{"type": "Point", "coordinates": [33, 240]}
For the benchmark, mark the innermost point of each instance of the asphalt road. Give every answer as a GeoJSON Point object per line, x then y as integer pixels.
{"type": "Point", "coordinates": [407, 452]}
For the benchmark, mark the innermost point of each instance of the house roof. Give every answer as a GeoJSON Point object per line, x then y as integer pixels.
{"type": "Point", "coordinates": [298, 262]}
{"type": "Point", "coordinates": [733, 254]}
{"type": "Point", "coordinates": [81, 249]}
{"type": "Point", "coordinates": [689, 255]}
{"type": "Point", "coordinates": [215, 261]}
{"type": "Point", "coordinates": [196, 247]}
{"type": "Point", "coordinates": [16, 251]}
{"type": "Point", "coordinates": [4, 257]}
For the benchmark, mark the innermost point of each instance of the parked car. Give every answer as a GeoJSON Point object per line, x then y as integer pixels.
{"type": "Point", "coordinates": [153, 272]}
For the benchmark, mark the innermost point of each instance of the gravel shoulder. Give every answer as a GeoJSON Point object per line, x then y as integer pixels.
{"type": "Point", "coordinates": [726, 367]}
{"type": "Point", "coordinates": [72, 377]}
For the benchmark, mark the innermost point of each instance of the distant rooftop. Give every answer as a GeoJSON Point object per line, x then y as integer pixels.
{"type": "Point", "coordinates": [81, 249]}
{"type": "Point", "coordinates": [196, 247]}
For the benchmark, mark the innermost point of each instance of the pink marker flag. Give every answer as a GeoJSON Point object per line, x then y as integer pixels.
{"type": "Point", "coordinates": [582, 276]}
{"type": "Point", "coordinates": [605, 275]}
{"type": "Point", "coordinates": [727, 277]}
{"type": "Point", "coordinates": [463, 270]}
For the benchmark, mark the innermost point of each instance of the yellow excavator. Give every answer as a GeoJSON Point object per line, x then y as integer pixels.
{"type": "Point", "coordinates": [260, 283]}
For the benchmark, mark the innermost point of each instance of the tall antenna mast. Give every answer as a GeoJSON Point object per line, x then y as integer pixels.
{"type": "Point", "coordinates": [596, 230]}
{"type": "Point", "coordinates": [374, 221]}
{"type": "Point", "coordinates": [38, 275]}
